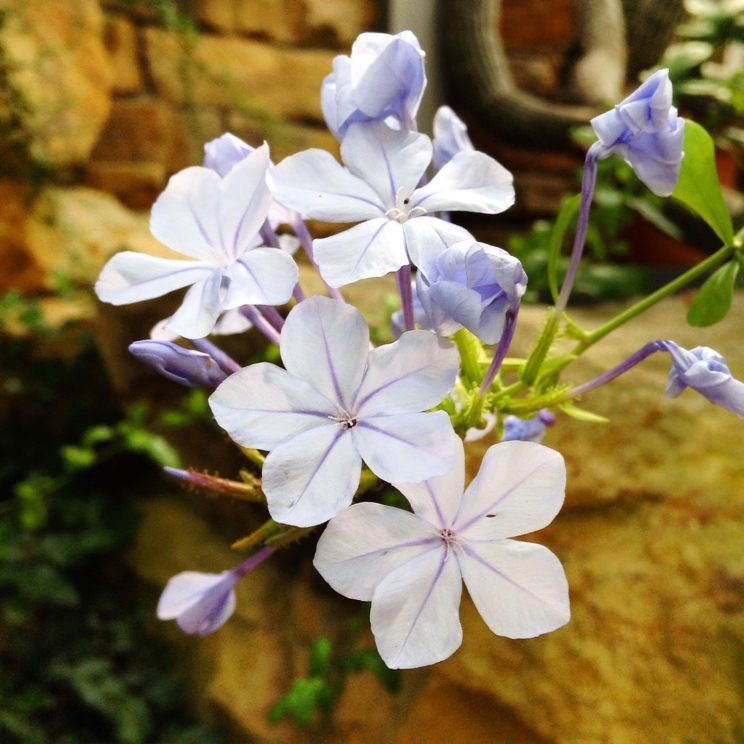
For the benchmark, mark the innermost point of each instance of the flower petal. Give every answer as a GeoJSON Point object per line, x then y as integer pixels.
{"type": "Point", "coordinates": [186, 589]}
{"type": "Point", "coordinates": [208, 617]}
{"type": "Point", "coordinates": [326, 342]}
{"type": "Point", "coordinates": [312, 477]}
{"type": "Point", "coordinates": [519, 588]}
{"type": "Point", "coordinates": [133, 277]}
{"type": "Point", "coordinates": [262, 276]}
{"type": "Point", "coordinates": [391, 161]}
{"type": "Point", "coordinates": [373, 248]}
{"type": "Point", "coordinates": [244, 201]}
{"type": "Point", "coordinates": [437, 499]}
{"type": "Point", "coordinates": [471, 182]}
{"type": "Point", "coordinates": [263, 405]}
{"type": "Point", "coordinates": [519, 488]}
{"type": "Point", "coordinates": [407, 447]}
{"type": "Point", "coordinates": [416, 611]}
{"type": "Point", "coordinates": [427, 237]}
{"type": "Point", "coordinates": [364, 543]}
{"type": "Point", "coordinates": [316, 185]}
{"type": "Point", "coordinates": [200, 308]}
{"type": "Point", "coordinates": [412, 374]}
{"type": "Point", "coordinates": [186, 216]}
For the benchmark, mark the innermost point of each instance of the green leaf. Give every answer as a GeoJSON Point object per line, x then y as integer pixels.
{"type": "Point", "coordinates": [565, 217]}
{"type": "Point", "coordinates": [581, 415]}
{"type": "Point", "coordinates": [698, 185]}
{"type": "Point", "coordinates": [713, 300]}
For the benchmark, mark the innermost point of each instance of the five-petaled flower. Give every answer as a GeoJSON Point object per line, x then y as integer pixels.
{"type": "Point", "coordinates": [215, 221]}
{"type": "Point", "coordinates": [379, 186]}
{"type": "Point", "coordinates": [337, 403]}
{"type": "Point", "coordinates": [411, 566]}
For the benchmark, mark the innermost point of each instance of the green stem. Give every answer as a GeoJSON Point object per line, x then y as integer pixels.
{"type": "Point", "coordinates": [470, 351]}
{"type": "Point", "coordinates": [702, 268]}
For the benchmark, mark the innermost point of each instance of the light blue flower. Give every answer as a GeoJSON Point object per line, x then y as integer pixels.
{"type": "Point", "coordinates": [705, 370]}
{"type": "Point", "coordinates": [215, 222]}
{"type": "Point", "coordinates": [527, 430]}
{"type": "Point", "coordinates": [383, 77]}
{"type": "Point", "coordinates": [411, 566]}
{"type": "Point", "coordinates": [379, 187]}
{"type": "Point", "coordinates": [185, 366]}
{"type": "Point", "coordinates": [470, 285]}
{"type": "Point", "coordinates": [645, 130]}
{"type": "Point", "coordinates": [337, 403]}
{"type": "Point", "coordinates": [222, 153]}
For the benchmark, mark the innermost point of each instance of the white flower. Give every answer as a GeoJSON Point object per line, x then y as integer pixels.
{"type": "Point", "coordinates": [411, 566]}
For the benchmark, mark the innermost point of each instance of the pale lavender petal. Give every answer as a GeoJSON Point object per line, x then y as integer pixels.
{"type": "Point", "coordinates": [312, 477]}
{"type": "Point", "coordinates": [438, 499]}
{"type": "Point", "coordinates": [200, 308]}
{"type": "Point", "coordinates": [391, 161]}
{"type": "Point", "coordinates": [200, 602]}
{"type": "Point", "coordinates": [407, 447]}
{"type": "Point", "coordinates": [184, 366]}
{"type": "Point", "coordinates": [373, 248]}
{"type": "Point", "coordinates": [471, 182]}
{"type": "Point", "coordinates": [314, 184]}
{"type": "Point", "coordinates": [263, 405]}
{"type": "Point", "coordinates": [519, 489]}
{"type": "Point", "coordinates": [186, 215]}
{"type": "Point", "coordinates": [231, 322]}
{"type": "Point", "coordinates": [450, 136]}
{"type": "Point", "coordinates": [427, 237]}
{"type": "Point", "coordinates": [244, 202]}
{"type": "Point", "coordinates": [326, 342]}
{"type": "Point", "coordinates": [449, 305]}
{"type": "Point", "coordinates": [263, 276]}
{"type": "Point", "coordinates": [133, 277]}
{"type": "Point", "coordinates": [387, 74]}
{"type": "Point", "coordinates": [222, 153]}
{"type": "Point", "coordinates": [364, 543]}
{"type": "Point", "coordinates": [415, 611]}
{"type": "Point", "coordinates": [519, 588]}
{"type": "Point", "coordinates": [411, 374]}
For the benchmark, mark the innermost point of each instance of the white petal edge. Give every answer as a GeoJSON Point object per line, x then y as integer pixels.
{"type": "Point", "coordinates": [262, 276]}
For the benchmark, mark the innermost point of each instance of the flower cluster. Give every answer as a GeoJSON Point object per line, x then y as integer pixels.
{"type": "Point", "coordinates": [340, 415]}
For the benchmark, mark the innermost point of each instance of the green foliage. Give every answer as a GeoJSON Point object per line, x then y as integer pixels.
{"type": "Point", "coordinates": [698, 186]}
{"type": "Point", "coordinates": [329, 669]}
{"type": "Point", "coordinates": [713, 300]}
{"type": "Point", "coordinates": [77, 662]}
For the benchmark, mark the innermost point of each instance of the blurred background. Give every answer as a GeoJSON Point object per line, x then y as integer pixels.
{"type": "Point", "coordinates": [100, 102]}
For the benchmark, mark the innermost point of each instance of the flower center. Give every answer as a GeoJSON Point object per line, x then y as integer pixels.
{"type": "Point", "coordinates": [402, 210]}
{"type": "Point", "coordinates": [347, 420]}
{"type": "Point", "coordinates": [448, 536]}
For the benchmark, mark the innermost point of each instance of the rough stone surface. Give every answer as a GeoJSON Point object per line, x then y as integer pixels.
{"type": "Point", "coordinates": [337, 22]}
{"type": "Point", "coordinates": [71, 231]}
{"type": "Point", "coordinates": [137, 185]}
{"type": "Point", "coordinates": [277, 20]}
{"type": "Point", "coordinates": [57, 81]}
{"type": "Point", "coordinates": [121, 42]}
{"type": "Point", "coordinates": [246, 75]}
{"type": "Point", "coordinates": [651, 539]}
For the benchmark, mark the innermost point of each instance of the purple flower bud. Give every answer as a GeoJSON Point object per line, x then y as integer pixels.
{"type": "Point", "coordinates": [185, 366]}
{"type": "Point", "coordinates": [383, 77]}
{"type": "Point", "coordinates": [704, 370]}
{"type": "Point", "coordinates": [646, 131]}
{"type": "Point", "coordinates": [450, 136]}
{"type": "Point", "coordinates": [471, 285]}
{"type": "Point", "coordinates": [527, 430]}
{"type": "Point", "coordinates": [202, 602]}
{"type": "Point", "coordinates": [223, 153]}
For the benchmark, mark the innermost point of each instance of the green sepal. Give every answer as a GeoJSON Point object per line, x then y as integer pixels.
{"type": "Point", "coordinates": [698, 186]}
{"type": "Point", "coordinates": [713, 300]}
{"type": "Point", "coordinates": [582, 415]}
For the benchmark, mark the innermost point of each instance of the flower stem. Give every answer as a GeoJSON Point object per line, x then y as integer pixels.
{"type": "Point", "coordinates": [272, 315]}
{"type": "Point", "coordinates": [306, 241]}
{"type": "Point", "coordinates": [254, 561]}
{"type": "Point", "coordinates": [261, 324]}
{"type": "Point", "coordinates": [588, 183]}
{"type": "Point", "coordinates": [406, 296]}
{"type": "Point", "coordinates": [712, 262]}
{"type": "Point", "coordinates": [267, 530]}
{"type": "Point", "coordinates": [226, 362]}
{"type": "Point", "coordinates": [510, 325]}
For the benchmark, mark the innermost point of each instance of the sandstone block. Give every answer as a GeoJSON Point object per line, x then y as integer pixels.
{"type": "Point", "coordinates": [335, 23]}
{"type": "Point", "coordinates": [136, 184]}
{"type": "Point", "coordinates": [58, 83]}
{"type": "Point", "coordinates": [238, 73]}
{"type": "Point", "coordinates": [121, 42]}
